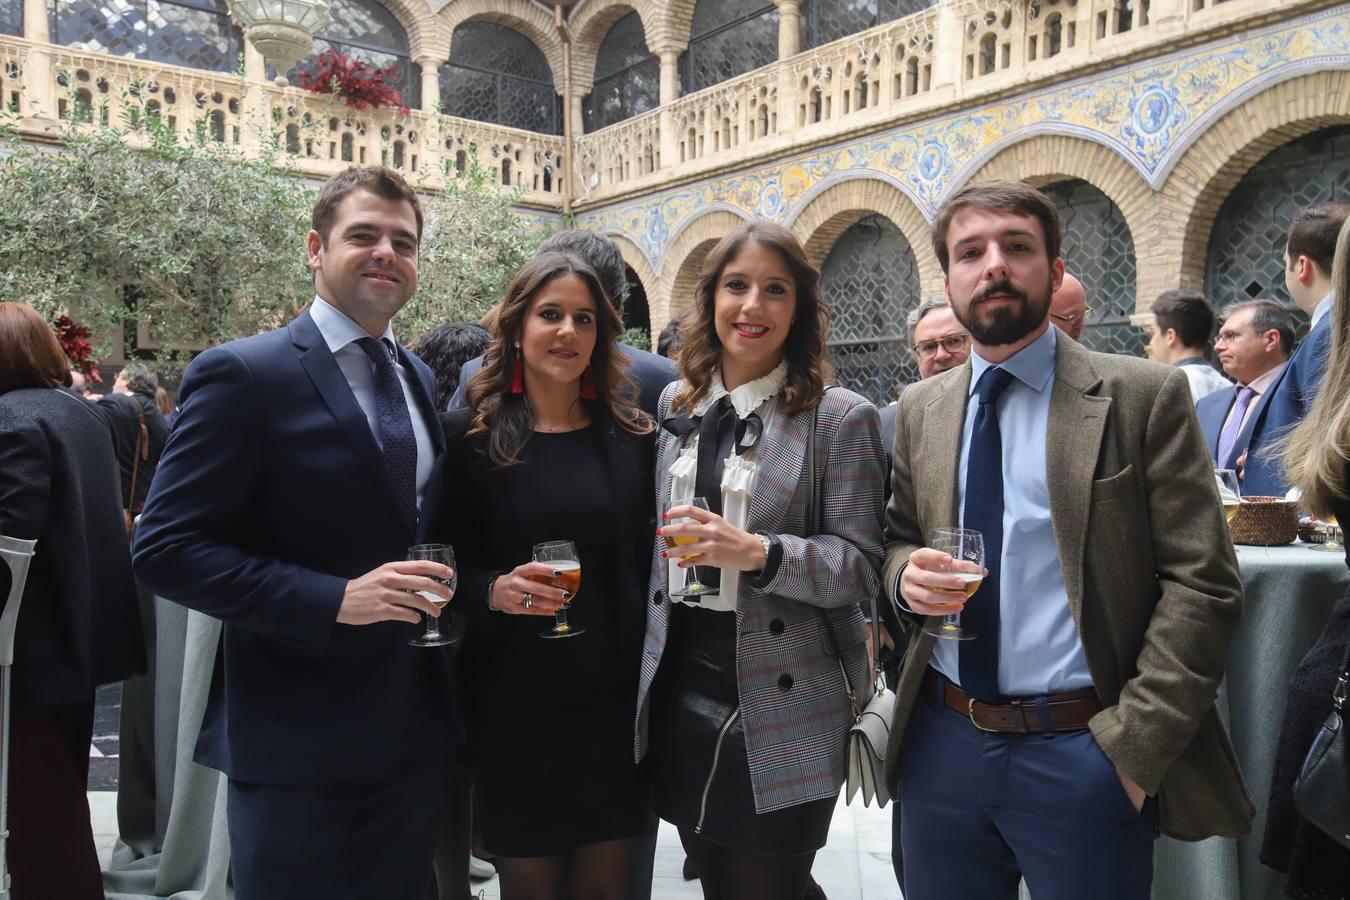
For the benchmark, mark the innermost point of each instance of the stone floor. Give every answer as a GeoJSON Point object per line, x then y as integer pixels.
{"type": "Point", "coordinates": [855, 864]}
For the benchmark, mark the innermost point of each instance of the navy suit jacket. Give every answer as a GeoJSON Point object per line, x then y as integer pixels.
{"type": "Point", "coordinates": [271, 495]}
{"type": "Point", "coordinates": [1290, 399]}
{"type": "Point", "coordinates": [651, 372]}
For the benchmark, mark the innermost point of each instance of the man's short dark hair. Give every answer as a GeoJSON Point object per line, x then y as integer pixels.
{"type": "Point", "coordinates": [1186, 313]}
{"type": "Point", "coordinates": [1313, 233]}
{"type": "Point", "coordinates": [1267, 315]}
{"type": "Point", "coordinates": [383, 183]}
{"type": "Point", "coordinates": [140, 379]}
{"type": "Point", "coordinates": [446, 349]}
{"type": "Point", "coordinates": [598, 252]}
{"type": "Point", "coordinates": [1004, 196]}
{"type": "Point", "coordinates": [668, 342]}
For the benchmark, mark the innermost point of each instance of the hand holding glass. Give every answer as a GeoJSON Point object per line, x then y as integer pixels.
{"type": "Point", "coordinates": [563, 557]}
{"type": "Point", "coordinates": [693, 586]}
{"type": "Point", "coordinates": [445, 555]}
{"type": "Point", "coordinates": [966, 548]}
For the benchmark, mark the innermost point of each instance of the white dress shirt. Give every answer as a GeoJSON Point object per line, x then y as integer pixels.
{"type": "Point", "coordinates": [1258, 386]}
{"type": "Point", "coordinates": [340, 332]}
{"type": "Point", "coordinates": [1203, 378]}
{"type": "Point", "coordinates": [1323, 307]}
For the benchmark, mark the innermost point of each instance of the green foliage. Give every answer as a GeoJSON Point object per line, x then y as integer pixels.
{"type": "Point", "coordinates": [135, 225]}
{"type": "Point", "coordinates": [472, 245]}
{"type": "Point", "coordinates": [637, 337]}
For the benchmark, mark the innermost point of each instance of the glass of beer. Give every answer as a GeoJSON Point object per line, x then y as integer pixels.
{"type": "Point", "coordinates": [966, 547]}
{"type": "Point", "coordinates": [693, 586]}
{"type": "Point", "coordinates": [1230, 492]}
{"type": "Point", "coordinates": [445, 555]}
{"type": "Point", "coordinates": [563, 557]}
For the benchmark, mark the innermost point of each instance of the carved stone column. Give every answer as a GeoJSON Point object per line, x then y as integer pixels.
{"type": "Point", "coordinates": [947, 44]}
{"type": "Point", "coordinates": [670, 92]}
{"type": "Point", "coordinates": [789, 25]}
{"type": "Point", "coordinates": [431, 83]}
{"type": "Point", "coordinates": [38, 84]}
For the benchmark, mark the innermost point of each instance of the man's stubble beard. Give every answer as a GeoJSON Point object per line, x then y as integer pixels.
{"type": "Point", "coordinates": [1006, 325]}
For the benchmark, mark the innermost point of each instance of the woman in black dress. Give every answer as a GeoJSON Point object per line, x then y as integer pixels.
{"type": "Point", "coordinates": [1317, 457]}
{"type": "Point", "coordinates": [552, 449]}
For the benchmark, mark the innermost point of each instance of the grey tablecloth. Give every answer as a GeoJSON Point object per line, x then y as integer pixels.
{"type": "Point", "coordinates": [1289, 593]}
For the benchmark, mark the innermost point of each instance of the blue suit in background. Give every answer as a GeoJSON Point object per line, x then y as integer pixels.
{"type": "Point", "coordinates": [1289, 401]}
{"type": "Point", "coordinates": [271, 495]}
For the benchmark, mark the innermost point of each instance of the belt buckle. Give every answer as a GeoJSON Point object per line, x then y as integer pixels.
{"type": "Point", "coordinates": [970, 713]}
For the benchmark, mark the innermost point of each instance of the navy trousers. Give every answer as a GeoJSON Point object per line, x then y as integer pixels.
{"type": "Point", "coordinates": [980, 811]}
{"type": "Point", "coordinates": [366, 840]}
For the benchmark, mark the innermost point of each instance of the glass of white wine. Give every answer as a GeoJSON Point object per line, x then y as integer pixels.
{"type": "Point", "coordinates": [693, 585]}
{"type": "Point", "coordinates": [966, 548]}
{"type": "Point", "coordinates": [1333, 528]}
{"type": "Point", "coordinates": [1230, 492]}
{"type": "Point", "coordinates": [445, 555]}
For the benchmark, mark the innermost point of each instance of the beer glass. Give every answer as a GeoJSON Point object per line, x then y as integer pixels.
{"type": "Point", "coordinates": [966, 547]}
{"type": "Point", "coordinates": [563, 557]}
{"type": "Point", "coordinates": [1230, 492]}
{"type": "Point", "coordinates": [445, 555]}
{"type": "Point", "coordinates": [693, 586]}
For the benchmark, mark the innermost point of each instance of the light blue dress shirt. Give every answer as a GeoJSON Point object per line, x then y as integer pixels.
{"type": "Point", "coordinates": [1039, 649]}
{"type": "Point", "coordinates": [340, 332]}
{"type": "Point", "coordinates": [1323, 307]}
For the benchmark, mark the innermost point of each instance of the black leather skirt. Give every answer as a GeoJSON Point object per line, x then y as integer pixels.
{"type": "Point", "coordinates": [700, 769]}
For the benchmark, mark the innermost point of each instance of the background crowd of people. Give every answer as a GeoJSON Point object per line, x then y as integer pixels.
{"type": "Point", "coordinates": [729, 514]}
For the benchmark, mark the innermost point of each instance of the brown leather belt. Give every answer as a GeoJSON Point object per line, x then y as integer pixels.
{"type": "Point", "coordinates": [1069, 711]}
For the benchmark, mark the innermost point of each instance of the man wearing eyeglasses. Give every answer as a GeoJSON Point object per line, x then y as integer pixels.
{"type": "Point", "coordinates": [1068, 307]}
{"type": "Point", "coordinates": [939, 341]}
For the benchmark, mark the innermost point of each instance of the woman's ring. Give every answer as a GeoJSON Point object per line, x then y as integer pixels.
{"type": "Point", "coordinates": [528, 600]}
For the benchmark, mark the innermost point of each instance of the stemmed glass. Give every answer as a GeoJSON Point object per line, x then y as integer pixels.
{"type": "Point", "coordinates": [1333, 529]}
{"type": "Point", "coordinates": [1230, 492]}
{"type": "Point", "coordinates": [693, 586]}
{"type": "Point", "coordinates": [445, 555]}
{"type": "Point", "coordinates": [563, 557]}
{"type": "Point", "coordinates": [966, 547]}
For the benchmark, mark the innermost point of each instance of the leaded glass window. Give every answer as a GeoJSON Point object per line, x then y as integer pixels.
{"type": "Point", "coordinates": [195, 33]}
{"type": "Point", "coordinates": [627, 76]}
{"type": "Point", "coordinates": [497, 75]}
{"type": "Point", "coordinates": [728, 38]}
{"type": "Point", "coordinates": [1097, 248]}
{"type": "Point", "coordinates": [1245, 261]}
{"type": "Point", "coordinates": [11, 17]}
{"type": "Point", "coordinates": [871, 281]}
{"type": "Point", "coordinates": [829, 20]}
{"type": "Point", "coordinates": [365, 30]}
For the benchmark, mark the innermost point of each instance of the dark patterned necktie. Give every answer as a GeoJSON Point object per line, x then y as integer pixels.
{"type": "Point", "coordinates": [984, 513]}
{"type": "Point", "coordinates": [395, 423]}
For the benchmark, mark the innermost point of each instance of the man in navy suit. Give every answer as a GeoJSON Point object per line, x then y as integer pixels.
{"type": "Point", "coordinates": [284, 505]}
{"type": "Point", "coordinates": [1308, 254]}
{"type": "Point", "coordinates": [1253, 347]}
{"type": "Point", "coordinates": [651, 372]}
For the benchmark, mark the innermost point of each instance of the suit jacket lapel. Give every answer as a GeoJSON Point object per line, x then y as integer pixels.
{"type": "Point", "coordinates": [424, 391]}
{"type": "Point", "coordinates": [1244, 438]}
{"type": "Point", "coordinates": [337, 395]}
{"type": "Point", "coordinates": [1073, 442]}
{"type": "Point", "coordinates": [782, 456]}
{"type": "Point", "coordinates": [935, 468]}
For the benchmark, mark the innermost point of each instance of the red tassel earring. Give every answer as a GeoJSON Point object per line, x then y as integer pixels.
{"type": "Point", "coordinates": [588, 391]}
{"type": "Point", "coordinates": [518, 375]}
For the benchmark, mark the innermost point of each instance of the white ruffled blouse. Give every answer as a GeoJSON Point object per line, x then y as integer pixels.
{"type": "Point", "coordinates": [738, 475]}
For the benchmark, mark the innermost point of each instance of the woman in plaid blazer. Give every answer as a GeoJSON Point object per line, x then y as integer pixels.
{"type": "Point", "coordinates": [742, 702]}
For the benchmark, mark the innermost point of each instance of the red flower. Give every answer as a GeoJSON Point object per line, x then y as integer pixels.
{"type": "Point", "coordinates": [359, 85]}
{"type": "Point", "coordinates": [74, 339]}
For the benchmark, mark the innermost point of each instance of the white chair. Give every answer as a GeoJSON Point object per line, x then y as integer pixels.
{"type": "Point", "coordinates": [17, 554]}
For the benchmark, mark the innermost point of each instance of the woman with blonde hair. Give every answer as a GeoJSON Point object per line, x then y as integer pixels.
{"type": "Point", "coordinates": [1317, 458]}
{"type": "Point", "coordinates": [743, 705]}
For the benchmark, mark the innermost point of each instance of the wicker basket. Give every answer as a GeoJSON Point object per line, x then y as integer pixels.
{"type": "Point", "coordinates": [1265, 521]}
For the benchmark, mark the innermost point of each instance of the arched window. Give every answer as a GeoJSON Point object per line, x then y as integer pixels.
{"type": "Point", "coordinates": [365, 30]}
{"type": "Point", "coordinates": [871, 281]}
{"type": "Point", "coordinates": [497, 75]}
{"type": "Point", "coordinates": [11, 17]}
{"type": "Point", "coordinates": [1097, 248]}
{"type": "Point", "coordinates": [728, 38]}
{"type": "Point", "coordinates": [636, 313]}
{"type": "Point", "coordinates": [1243, 261]}
{"type": "Point", "coordinates": [829, 20]}
{"type": "Point", "coordinates": [194, 33]}
{"type": "Point", "coordinates": [988, 53]}
{"type": "Point", "coordinates": [627, 76]}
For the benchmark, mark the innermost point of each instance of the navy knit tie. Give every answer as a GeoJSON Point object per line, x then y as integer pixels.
{"type": "Point", "coordinates": [984, 513]}
{"type": "Point", "coordinates": [396, 430]}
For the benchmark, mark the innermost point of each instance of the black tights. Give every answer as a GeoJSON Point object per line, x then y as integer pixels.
{"type": "Point", "coordinates": [728, 874]}
{"type": "Point", "coordinates": [593, 872]}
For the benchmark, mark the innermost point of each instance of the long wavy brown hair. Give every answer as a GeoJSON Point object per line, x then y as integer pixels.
{"type": "Point", "coordinates": [808, 371]}
{"type": "Point", "coordinates": [506, 418]}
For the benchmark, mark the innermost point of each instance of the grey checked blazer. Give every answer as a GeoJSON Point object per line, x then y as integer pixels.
{"type": "Point", "coordinates": [793, 699]}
